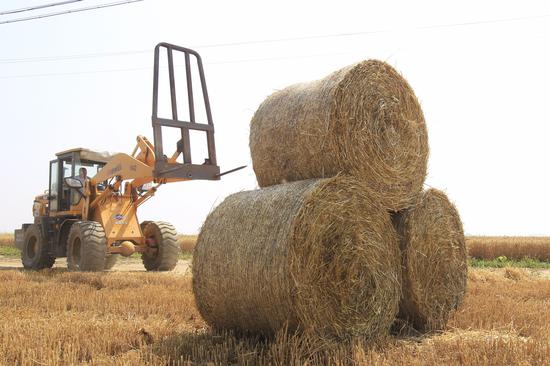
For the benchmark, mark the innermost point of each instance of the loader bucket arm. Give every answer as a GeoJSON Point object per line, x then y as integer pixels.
{"type": "Point", "coordinates": [126, 167]}
{"type": "Point", "coordinates": [167, 166]}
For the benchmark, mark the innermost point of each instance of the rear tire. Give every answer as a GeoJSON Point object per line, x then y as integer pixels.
{"type": "Point", "coordinates": [86, 247]}
{"type": "Point", "coordinates": [162, 246]}
{"type": "Point", "coordinates": [110, 261]}
{"type": "Point", "coordinates": [35, 254]}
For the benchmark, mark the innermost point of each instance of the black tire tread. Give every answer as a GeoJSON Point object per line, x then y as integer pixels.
{"type": "Point", "coordinates": [93, 246]}
{"type": "Point", "coordinates": [168, 251]}
{"type": "Point", "coordinates": [44, 259]}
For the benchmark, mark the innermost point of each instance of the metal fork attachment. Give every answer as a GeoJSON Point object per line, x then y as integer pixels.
{"type": "Point", "coordinates": [167, 166]}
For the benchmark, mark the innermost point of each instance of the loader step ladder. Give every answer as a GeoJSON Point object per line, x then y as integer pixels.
{"type": "Point", "coordinates": [164, 166]}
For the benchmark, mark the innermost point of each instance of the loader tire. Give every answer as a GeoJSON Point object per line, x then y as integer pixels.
{"type": "Point", "coordinates": [35, 254]}
{"type": "Point", "coordinates": [86, 247]}
{"type": "Point", "coordinates": [144, 224]}
{"type": "Point", "coordinates": [110, 261]}
{"type": "Point", "coordinates": [163, 250]}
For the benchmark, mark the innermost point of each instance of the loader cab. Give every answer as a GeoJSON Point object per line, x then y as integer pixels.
{"type": "Point", "coordinates": [68, 164]}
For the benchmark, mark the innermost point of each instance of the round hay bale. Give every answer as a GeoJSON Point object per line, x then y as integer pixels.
{"type": "Point", "coordinates": [316, 256]}
{"type": "Point", "coordinates": [363, 120]}
{"type": "Point", "coordinates": [434, 261]}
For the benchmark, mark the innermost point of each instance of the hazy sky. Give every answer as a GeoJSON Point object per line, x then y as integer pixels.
{"type": "Point", "coordinates": [481, 70]}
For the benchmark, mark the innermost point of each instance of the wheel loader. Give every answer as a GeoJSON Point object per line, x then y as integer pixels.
{"type": "Point", "coordinates": [89, 211]}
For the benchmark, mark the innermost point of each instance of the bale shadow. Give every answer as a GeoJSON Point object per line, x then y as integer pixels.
{"type": "Point", "coordinates": [224, 347]}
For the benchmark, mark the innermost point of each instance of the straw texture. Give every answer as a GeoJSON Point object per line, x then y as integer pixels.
{"type": "Point", "coordinates": [362, 120]}
{"type": "Point", "coordinates": [318, 256]}
{"type": "Point", "coordinates": [434, 261]}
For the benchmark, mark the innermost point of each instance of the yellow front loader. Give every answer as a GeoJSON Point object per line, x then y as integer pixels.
{"type": "Point", "coordinates": [89, 212]}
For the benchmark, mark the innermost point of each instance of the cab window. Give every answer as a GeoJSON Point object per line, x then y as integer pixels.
{"type": "Point", "coordinates": [65, 201]}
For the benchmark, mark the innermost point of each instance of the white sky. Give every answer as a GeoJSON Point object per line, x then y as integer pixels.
{"type": "Point", "coordinates": [483, 89]}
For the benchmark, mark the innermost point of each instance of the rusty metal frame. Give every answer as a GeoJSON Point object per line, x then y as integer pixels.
{"type": "Point", "coordinates": [171, 169]}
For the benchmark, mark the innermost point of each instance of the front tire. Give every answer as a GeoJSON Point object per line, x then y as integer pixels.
{"type": "Point", "coordinates": [86, 247]}
{"type": "Point", "coordinates": [35, 254]}
{"type": "Point", "coordinates": [162, 246]}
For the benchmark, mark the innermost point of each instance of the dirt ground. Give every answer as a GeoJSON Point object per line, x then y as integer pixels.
{"type": "Point", "coordinates": [536, 273]}
{"type": "Point", "coordinates": [183, 266]}
{"type": "Point", "coordinates": [122, 265]}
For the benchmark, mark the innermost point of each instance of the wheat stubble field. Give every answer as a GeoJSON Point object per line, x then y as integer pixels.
{"type": "Point", "coordinates": [59, 318]}
{"type": "Point", "coordinates": [55, 317]}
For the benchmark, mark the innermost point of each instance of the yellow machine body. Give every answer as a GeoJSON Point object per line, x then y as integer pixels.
{"type": "Point", "coordinates": [91, 218]}
{"type": "Point", "coordinates": [115, 205]}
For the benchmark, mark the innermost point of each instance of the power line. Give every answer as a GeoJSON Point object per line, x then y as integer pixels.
{"type": "Point", "coordinates": [338, 35]}
{"type": "Point", "coordinates": [276, 40]}
{"type": "Point", "coordinates": [72, 57]}
{"type": "Point", "coordinates": [222, 62]}
{"type": "Point", "coordinates": [73, 73]}
{"type": "Point", "coordinates": [70, 11]}
{"type": "Point", "coordinates": [31, 8]}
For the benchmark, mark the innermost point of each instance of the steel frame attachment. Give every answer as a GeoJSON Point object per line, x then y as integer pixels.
{"type": "Point", "coordinates": [167, 167]}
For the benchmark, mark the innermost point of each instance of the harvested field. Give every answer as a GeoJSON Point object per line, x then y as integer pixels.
{"type": "Point", "coordinates": [60, 318]}
{"type": "Point", "coordinates": [434, 261]}
{"type": "Point", "coordinates": [6, 239]}
{"type": "Point", "coordinates": [66, 318]}
{"type": "Point", "coordinates": [511, 247]}
{"type": "Point", "coordinates": [363, 120]}
{"type": "Point", "coordinates": [316, 255]}
{"type": "Point", "coordinates": [187, 243]}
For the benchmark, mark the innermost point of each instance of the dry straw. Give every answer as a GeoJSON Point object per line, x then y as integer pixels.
{"type": "Point", "coordinates": [363, 119]}
{"type": "Point", "coordinates": [434, 261]}
{"type": "Point", "coordinates": [316, 256]}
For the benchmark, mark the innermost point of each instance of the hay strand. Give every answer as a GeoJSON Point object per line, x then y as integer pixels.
{"type": "Point", "coordinates": [363, 120]}
{"type": "Point", "coordinates": [434, 261]}
{"type": "Point", "coordinates": [316, 256]}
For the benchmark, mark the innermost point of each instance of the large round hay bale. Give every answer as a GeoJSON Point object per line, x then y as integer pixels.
{"type": "Point", "coordinates": [316, 256]}
{"type": "Point", "coordinates": [434, 261]}
{"type": "Point", "coordinates": [363, 120]}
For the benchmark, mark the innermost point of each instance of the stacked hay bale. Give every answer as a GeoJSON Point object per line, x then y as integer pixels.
{"type": "Point", "coordinates": [434, 260]}
{"type": "Point", "coordinates": [314, 255]}
{"type": "Point", "coordinates": [314, 249]}
{"type": "Point", "coordinates": [362, 120]}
